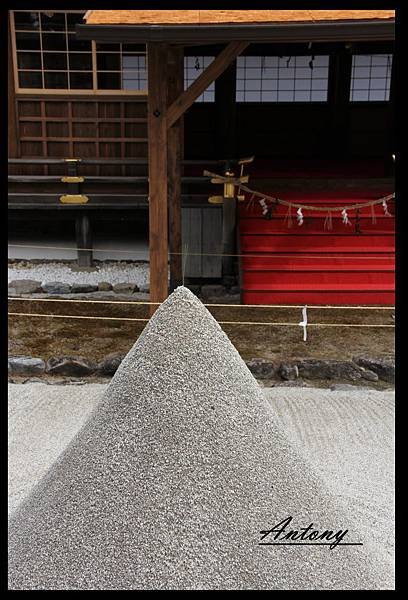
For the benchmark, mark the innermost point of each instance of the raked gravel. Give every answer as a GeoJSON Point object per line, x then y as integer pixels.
{"type": "Point", "coordinates": [170, 481]}
{"type": "Point", "coordinates": [348, 439]}
{"type": "Point", "coordinates": [42, 420]}
{"type": "Point", "coordinates": [111, 272]}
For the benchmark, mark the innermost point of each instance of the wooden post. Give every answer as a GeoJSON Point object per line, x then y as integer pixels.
{"type": "Point", "coordinates": [225, 122]}
{"type": "Point", "coordinates": [84, 240]}
{"type": "Point", "coordinates": [175, 143]}
{"type": "Point", "coordinates": [225, 111]}
{"type": "Point", "coordinates": [391, 119]}
{"type": "Point", "coordinates": [13, 141]}
{"type": "Point", "coordinates": [229, 221]}
{"type": "Point", "coordinates": [157, 135]}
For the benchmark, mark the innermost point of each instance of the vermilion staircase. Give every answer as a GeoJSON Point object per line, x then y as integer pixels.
{"type": "Point", "coordinates": [310, 265]}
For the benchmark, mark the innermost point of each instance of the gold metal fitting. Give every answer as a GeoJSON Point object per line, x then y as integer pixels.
{"type": "Point", "coordinates": [74, 199]}
{"type": "Point", "coordinates": [71, 179]}
{"type": "Point", "coordinates": [215, 199]}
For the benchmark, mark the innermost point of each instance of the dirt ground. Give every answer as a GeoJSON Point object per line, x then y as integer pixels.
{"type": "Point", "coordinates": [93, 339]}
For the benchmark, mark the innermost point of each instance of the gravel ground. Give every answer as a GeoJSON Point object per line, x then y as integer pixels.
{"type": "Point", "coordinates": [170, 481]}
{"type": "Point", "coordinates": [41, 423]}
{"type": "Point", "coordinates": [111, 272]}
{"type": "Point", "coordinates": [339, 434]}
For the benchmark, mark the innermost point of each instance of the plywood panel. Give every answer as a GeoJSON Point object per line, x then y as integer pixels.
{"type": "Point", "coordinates": [58, 149]}
{"type": "Point", "coordinates": [136, 109]}
{"type": "Point", "coordinates": [29, 108]}
{"type": "Point", "coordinates": [211, 242]}
{"type": "Point", "coordinates": [56, 109]}
{"type": "Point", "coordinates": [29, 129]}
{"type": "Point", "coordinates": [33, 149]}
{"type": "Point", "coordinates": [86, 130]}
{"type": "Point", "coordinates": [191, 224]}
{"type": "Point", "coordinates": [57, 129]}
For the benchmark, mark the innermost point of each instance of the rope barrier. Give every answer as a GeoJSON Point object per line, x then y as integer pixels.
{"type": "Point", "coordinates": [319, 208]}
{"type": "Point", "coordinates": [260, 255]}
{"type": "Point", "coordinates": [219, 322]}
{"type": "Point", "coordinates": [139, 302]}
{"type": "Point", "coordinates": [288, 203]}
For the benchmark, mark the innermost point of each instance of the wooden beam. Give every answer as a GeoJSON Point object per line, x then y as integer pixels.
{"type": "Point", "coordinates": [175, 143]}
{"type": "Point", "coordinates": [157, 135]}
{"type": "Point", "coordinates": [218, 66]}
{"type": "Point", "coordinates": [12, 113]}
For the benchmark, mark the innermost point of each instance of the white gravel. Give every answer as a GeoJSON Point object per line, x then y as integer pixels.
{"type": "Point", "coordinates": [348, 439]}
{"type": "Point", "coordinates": [111, 272]}
{"type": "Point", "coordinates": [42, 420]}
{"type": "Point", "coordinates": [170, 481]}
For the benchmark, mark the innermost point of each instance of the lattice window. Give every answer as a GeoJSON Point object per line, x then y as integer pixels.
{"type": "Point", "coordinates": [49, 57]}
{"type": "Point", "coordinates": [121, 67]}
{"type": "Point", "coordinates": [193, 67]}
{"type": "Point", "coordinates": [282, 78]}
{"type": "Point", "coordinates": [370, 77]}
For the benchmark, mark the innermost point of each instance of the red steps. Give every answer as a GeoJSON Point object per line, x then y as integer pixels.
{"type": "Point", "coordinates": [306, 244]}
{"type": "Point", "coordinates": [309, 264]}
{"type": "Point", "coordinates": [337, 297]}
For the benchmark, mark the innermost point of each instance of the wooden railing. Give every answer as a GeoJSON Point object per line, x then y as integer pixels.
{"type": "Point", "coordinates": [72, 188]}
{"type": "Point", "coordinates": [77, 195]}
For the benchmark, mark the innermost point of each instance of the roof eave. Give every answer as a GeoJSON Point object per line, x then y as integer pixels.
{"type": "Point", "coordinates": [275, 32]}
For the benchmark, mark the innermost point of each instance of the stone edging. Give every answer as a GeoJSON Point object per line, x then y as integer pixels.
{"type": "Point", "coordinates": [31, 286]}
{"type": "Point", "coordinates": [36, 289]}
{"type": "Point", "coordinates": [361, 368]}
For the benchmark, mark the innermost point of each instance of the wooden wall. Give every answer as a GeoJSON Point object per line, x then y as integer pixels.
{"type": "Point", "coordinates": [84, 128]}
{"type": "Point", "coordinates": [117, 128]}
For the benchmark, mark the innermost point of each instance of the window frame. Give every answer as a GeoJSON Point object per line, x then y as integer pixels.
{"type": "Point", "coordinates": [94, 91]}
{"type": "Point", "coordinates": [187, 82]}
{"type": "Point", "coordinates": [309, 102]}
{"type": "Point", "coordinates": [368, 101]}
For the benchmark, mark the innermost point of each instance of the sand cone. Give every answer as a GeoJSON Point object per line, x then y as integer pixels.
{"type": "Point", "coordinates": [171, 480]}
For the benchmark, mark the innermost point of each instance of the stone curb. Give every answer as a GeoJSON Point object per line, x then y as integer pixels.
{"type": "Point", "coordinates": [381, 369]}
{"type": "Point", "coordinates": [30, 287]}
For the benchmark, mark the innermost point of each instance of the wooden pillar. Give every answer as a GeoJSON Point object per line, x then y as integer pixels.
{"type": "Point", "coordinates": [84, 240]}
{"type": "Point", "coordinates": [229, 223]}
{"type": "Point", "coordinates": [12, 115]}
{"type": "Point", "coordinates": [225, 123]}
{"type": "Point", "coordinates": [391, 120]}
{"type": "Point", "coordinates": [157, 139]}
{"type": "Point", "coordinates": [339, 102]}
{"type": "Point", "coordinates": [175, 153]}
{"type": "Point", "coordinates": [225, 109]}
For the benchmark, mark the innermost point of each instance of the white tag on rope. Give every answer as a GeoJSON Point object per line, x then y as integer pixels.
{"type": "Point", "coordinates": [385, 207]}
{"type": "Point", "coordinates": [264, 206]}
{"type": "Point", "coordinates": [346, 220]}
{"type": "Point", "coordinates": [299, 216]}
{"type": "Point", "coordinates": [304, 323]}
